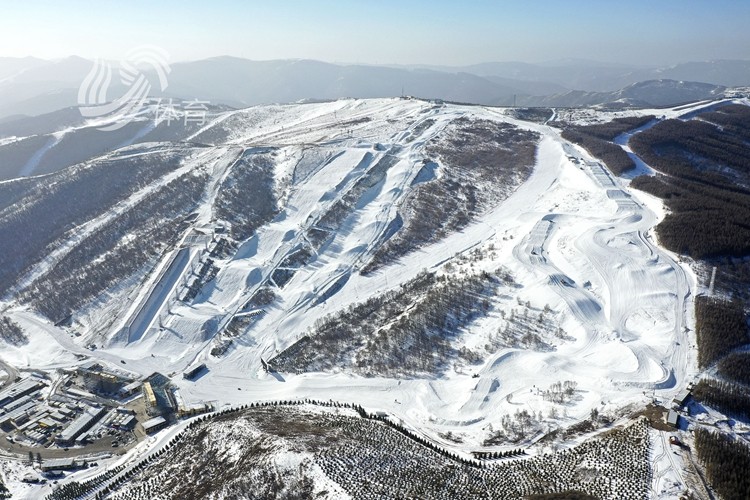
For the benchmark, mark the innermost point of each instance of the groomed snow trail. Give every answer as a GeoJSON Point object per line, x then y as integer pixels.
{"type": "Point", "coordinates": [573, 236]}
{"type": "Point", "coordinates": [628, 323]}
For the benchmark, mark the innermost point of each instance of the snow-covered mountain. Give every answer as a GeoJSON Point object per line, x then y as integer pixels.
{"type": "Point", "coordinates": [305, 211]}
{"type": "Point", "coordinates": [474, 279]}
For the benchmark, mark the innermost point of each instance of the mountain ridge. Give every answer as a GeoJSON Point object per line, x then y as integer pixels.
{"type": "Point", "coordinates": [42, 87]}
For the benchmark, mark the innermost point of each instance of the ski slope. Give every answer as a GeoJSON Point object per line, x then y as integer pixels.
{"type": "Point", "coordinates": [574, 237]}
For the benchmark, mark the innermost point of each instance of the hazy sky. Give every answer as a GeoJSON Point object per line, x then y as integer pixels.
{"type": "Point", "coordinates": [384, 31]}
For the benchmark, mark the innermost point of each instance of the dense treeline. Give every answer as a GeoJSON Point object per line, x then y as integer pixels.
{"type": "Point", "coordinates": [481, 163]}
{"type": "Point", "coordinates": [106, 256]}
{"type": "Point", "coordinates": [726, 397]}
{"type": "Point", "coordinates": [597, 140]}
{"type": "Point", "coordinates": [706, 186]}
{"type": "Point", "coordinates": [720, 326]}
{"type": "Point", "coordinates": [246, 199]}
{"type": "Point", "coordinates": [57, 203]}
{"type": "Point", "coordinates": [727, 462]}
{"type": "Point", "coordinates": [407, 331]}
{"type": "Point", "coordinates": [704, 221]}
{"type": "Point", "coordinates": [261, 298]}
{"type": "Point", "coordinates": [287, 267]}
{"type": "Point", "coordinates": [611, 129]}
{"type": "Point", "coordinates": [611, 154]}
{"type": "Point", "coordinates": [736, 367]}
{"type": "Point", "coordinates": [705, 164]}
{"type": "Point", "coordinates": [697, 148]}
{"type": "Point", "coordinates": [732, 277]}
{"type": "Point", "coordinates": [733, 118]}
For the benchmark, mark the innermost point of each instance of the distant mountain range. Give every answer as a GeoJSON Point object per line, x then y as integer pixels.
{"type": "Point", "coordinates": [31, 86]}
{"type": "Point", "coordinates": [599, 77]}
{"type": "Point", "coordinates": [637, 95]}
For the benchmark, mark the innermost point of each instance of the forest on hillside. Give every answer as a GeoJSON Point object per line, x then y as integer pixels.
{"type": "Point", "coordinates": [480, 163]}
{"type": "Point", "coordinates": [704, 180]}
{"type": "Point", "coordinates": [597, 140]}
{"type": "Point", "coordinates": [736, 367]}
{"type": "Point", "coordinates": [284, 449]}
{"type": "Point", "coordinates": [727, 397]}
{"type": "Point", "coordinates": [106, 256]}
{"type": "Point", "coordinates": [36, 212]}
{"type": "Point", "coordinates": [720, 326]}
{"type": "Point", "coordinates": [246, 198]}
{"type": "Point", "coordinates": [408, 331]}
{"type": "Point", "coordinates": [727, 462]}
{"type": "Point", "coordinates": [703, 176]}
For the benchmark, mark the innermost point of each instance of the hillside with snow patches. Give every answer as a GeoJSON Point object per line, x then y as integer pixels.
{"type": "Point", "coordinates": [448, 265]}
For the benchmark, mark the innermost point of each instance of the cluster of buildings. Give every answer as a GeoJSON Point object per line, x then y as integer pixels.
{"type": "Point", "coordinates": [75, 433]}
{"type": "Point", "coordinates": [31, 417]}
{"type": "Point", "coordinates": [95, 423]}
{"type": "Point", "coordinates": [62, 419]}
{"type": "Point", "coordinates": [85, 406]}
{"type": "Point", "coordinates": [18, 401]}
{"type": "Point", "coordinates": [33, 414]}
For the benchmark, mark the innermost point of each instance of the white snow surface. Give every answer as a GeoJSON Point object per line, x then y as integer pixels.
{"type": "Point", "coordinates": [621, 299]}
